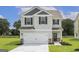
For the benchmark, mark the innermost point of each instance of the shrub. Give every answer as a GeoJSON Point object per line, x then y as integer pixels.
{"type": "Point", "coordinates": [65, 43]}
{"type": "Point", "coordinates": [76, 49]}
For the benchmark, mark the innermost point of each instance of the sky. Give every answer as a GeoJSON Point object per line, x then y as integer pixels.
{"type": "Point", "coordinates": [12, 13]}
{"type": "Point", "coordinates": [69, 11]}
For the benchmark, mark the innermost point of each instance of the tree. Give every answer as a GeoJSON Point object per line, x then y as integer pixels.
{"type": "Point", "coordinates": [68, 27]}
{"type": "Point", "coordinates": [14, 32]}
{"type": "Point", "coordinates": [17, 24]}
{"type": "Point", "coordinates": [0, 26]}
{"type": "Point", "coordinates": [0, 31]}
{"type": "Point", "coordinates": [4, 26]}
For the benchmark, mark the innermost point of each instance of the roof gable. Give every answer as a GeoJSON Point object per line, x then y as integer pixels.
{"type": "Point", "coordinates": [35, 10]}
{"type": "Point", "coordinates": [43, 13]}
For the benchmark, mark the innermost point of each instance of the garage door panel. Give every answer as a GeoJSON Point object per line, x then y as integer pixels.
{"type": "Point", "coordinates": [35, 38]}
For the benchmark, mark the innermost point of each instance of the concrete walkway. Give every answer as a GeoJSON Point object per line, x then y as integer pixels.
{"type": "Point", "coordinates": [57, 43]}
{"type": "Point", "coordinates": [31, 48]}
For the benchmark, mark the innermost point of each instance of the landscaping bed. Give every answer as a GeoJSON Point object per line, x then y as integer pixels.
{"type": "Point", "coordinates": [69, 44]}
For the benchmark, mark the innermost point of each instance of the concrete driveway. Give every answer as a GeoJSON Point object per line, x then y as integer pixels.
{"type": "Point", "coordinates": [31, 48]}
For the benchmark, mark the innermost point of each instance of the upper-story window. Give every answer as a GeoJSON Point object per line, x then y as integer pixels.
{"type": "Point", "coordinates": [42, 20]}
{"type": "Point", "coordinates": [55, 21]}
{"type": "Point", "coordinates": [29, 21]}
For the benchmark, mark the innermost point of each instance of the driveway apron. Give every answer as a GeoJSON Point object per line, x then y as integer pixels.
{"type": "Point", "coordinates": [31, 48]}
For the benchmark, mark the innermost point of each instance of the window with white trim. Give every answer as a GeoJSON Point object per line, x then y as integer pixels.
{"type": "Point", "coordinates": [43, 20]}
{"type": "Point", "coordinates": [55, 21]}
{"type": "Point", "coordinates": [29, 21]}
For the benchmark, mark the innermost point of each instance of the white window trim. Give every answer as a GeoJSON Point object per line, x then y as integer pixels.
{"type": "Point", "coordinates": [55, 20]}
{"type": "Point", "coordinates": [28, 17]}
{"type": "Point", "coordinates": [44, 23]}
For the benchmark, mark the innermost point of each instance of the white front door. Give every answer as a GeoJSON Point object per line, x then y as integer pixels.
{"type": "Point", "coordinates": [35, 38]}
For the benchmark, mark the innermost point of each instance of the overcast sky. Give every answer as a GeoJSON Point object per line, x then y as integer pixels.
{"type": "Point", "coordinates": [11, 13]}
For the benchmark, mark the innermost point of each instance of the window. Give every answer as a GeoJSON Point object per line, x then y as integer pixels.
{"type": "Point", "coordinates": [42, 20]}
{"type": "Point", "coordinates": [56, 21]}
{"type": "Point", "coordinates": [28, 21]}
{"type": "Point", "coordinates": [21, 34]}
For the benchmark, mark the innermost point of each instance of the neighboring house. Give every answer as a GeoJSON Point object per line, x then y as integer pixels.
{"type": "Point", "coordinates": [76, 27]}
{"type": "Point", "coordinates": [41, 26]}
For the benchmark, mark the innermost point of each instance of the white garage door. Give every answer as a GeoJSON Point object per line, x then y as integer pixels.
{"type": "Point", "coordinates": [35, 38]}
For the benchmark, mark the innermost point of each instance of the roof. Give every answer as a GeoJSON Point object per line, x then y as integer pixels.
{"type": "Point", "coordinates": [55, 13]}
{"type": "Point", "coordinates": [25, 8]}
{"type": "Point", "coordinates": [43, 13]}
{"type": "Point", "coordinates": [76, 17]}
{"type": "Point", "coordinates": [33, 11]}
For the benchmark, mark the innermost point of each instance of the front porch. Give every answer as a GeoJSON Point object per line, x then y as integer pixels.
{"type": "Point", "coordinates": [56, 37]}
{"type": "Point", "coordinates": [51, 41]}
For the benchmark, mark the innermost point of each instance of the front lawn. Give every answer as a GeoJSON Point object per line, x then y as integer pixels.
{"type": "Point", "coordinates": [9, 42]}
{"type": "Point", "coordinates": [64, 48]}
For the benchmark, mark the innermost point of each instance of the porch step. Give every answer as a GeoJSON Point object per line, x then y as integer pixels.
{"type": "Point", "coordinates": [57, 43]}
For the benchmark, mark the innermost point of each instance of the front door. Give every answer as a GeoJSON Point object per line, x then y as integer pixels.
{"type": "Point", "coordinates": [54, 36]}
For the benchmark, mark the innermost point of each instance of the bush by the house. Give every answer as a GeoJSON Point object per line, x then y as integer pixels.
{"type": "Point", "coordinates": [65, 43]}
{"type": "Point", "coordinates": [76, 49]}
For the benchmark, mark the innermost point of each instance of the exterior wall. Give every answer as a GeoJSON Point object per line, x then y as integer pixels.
{"type": "Point", "coordinates": [36, 24]}
{"type": "Point", "coordinates": [23, 21]}
{"type": "Point", "coordinates": [60, 23]}
{"type": "Point", "coordinates": [58, 31]}
{"type": "Point", "coordinates": [59, 35]}
{"type": "Point", "coordinates": [76, 29]}
{"type": "Point", "coordinates": [43, 26]}
{"type": "Point", "coordinates": [48, 33]}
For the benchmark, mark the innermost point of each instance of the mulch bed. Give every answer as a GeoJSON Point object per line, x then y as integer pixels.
{"type": "Point", "coordinates": [76, 49]}
{"type": "Point", "coordinates": [66, 43]}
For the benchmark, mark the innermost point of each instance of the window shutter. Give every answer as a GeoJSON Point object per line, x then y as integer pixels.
{"type": "Point", "coordinates": [25, 21]}
{"type": "Point", "coordinates": [58, 21]}
{"type": "Point", "coordinates": [46, 19]}
{"type": "Point", "coordinates": [39, 20]}
{"type": "Point", "coordinates": [31, 21]}
{"type": "Point", "coordinates": [53, 21]}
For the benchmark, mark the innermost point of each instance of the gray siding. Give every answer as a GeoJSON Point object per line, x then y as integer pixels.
{"type": "Point", "coordinates": [33, 11]}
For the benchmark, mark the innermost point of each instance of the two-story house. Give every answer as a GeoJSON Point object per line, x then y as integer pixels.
{"type": "Point", "coordinates": [76, 27]}
{"type": "Point", "coordinates": [41, 26]}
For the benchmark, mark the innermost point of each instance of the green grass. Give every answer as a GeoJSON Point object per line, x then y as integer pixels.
{"type": "Point", "coordinates": [9, 43]}
{"type": "Point", "coordinates": [71, 40]}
